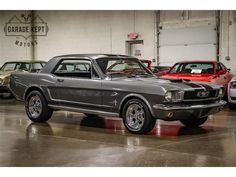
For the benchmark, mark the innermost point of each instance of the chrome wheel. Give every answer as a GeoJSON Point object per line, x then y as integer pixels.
{"type": "Point", "coordinates": [135, 117]}
{"type": "Point", "coordinates": [35, 106]}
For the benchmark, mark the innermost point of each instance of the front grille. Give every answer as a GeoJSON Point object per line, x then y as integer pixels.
{"type": "Point", "coordinates": [233, 98]}
{"type": "Point", "coordinates": [193, 95]}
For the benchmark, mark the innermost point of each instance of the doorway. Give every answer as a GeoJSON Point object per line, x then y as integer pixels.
{"type": "Point", "coordinates": [135, 48]}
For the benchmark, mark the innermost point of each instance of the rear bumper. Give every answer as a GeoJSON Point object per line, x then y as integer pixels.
{"type": "Point", "coordinates": [179, 112]}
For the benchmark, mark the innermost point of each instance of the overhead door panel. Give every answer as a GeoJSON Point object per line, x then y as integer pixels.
{"type": "Point", "coordinates": [187, 43]}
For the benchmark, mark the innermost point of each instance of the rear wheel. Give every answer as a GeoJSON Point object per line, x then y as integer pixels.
{"type": "Point", "coordinates": [137, 117]}
{"type": "Point", "coordinates": [193, 121]}
{"type": "Point", "coordinates": [37, 107]}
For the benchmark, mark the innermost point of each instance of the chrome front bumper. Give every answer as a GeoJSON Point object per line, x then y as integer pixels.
{"type": "Point", "coordinates": [232, 95]}
{"type": "Point", "coordinates": [178, 112]}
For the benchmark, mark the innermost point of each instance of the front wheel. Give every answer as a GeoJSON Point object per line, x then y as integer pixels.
{"type": "Point", "coordinates": [37, 108]}
{"type": "Point", "coordinates": [137, 117]}
{"type": "Point", "coordinates": [193, 121]}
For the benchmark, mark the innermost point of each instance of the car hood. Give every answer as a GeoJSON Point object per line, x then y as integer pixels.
{"type": "Point", "coordinates": [193, 77]}
{"type": "Point", "coordinates": [5, 73]}
{"type": "Point", "coordinates": [167, 83]}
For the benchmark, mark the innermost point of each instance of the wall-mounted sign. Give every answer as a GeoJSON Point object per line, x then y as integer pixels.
{"type": "Point", "coordinates": [25, 28]}
{"type": "Point", "coordinates": [132, 35]}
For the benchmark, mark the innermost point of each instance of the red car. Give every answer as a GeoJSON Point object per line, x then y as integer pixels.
{"type": "Point", "coordinates": [147, 63]}
{"type": "Point", "coordinates": [205, 71]}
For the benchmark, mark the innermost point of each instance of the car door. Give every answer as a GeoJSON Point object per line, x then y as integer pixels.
{"type": "Point", "coordinates": [227, 74]}
{"type": "Point", "coordinates": [221, 78]}
{"type": "Point", "coordinates": [77, 86]}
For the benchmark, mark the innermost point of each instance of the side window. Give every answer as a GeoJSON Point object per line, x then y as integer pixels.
{"type": "Point", "coordinates": [79, 68]}
{"type": "Point", "coordinates": [23, 66]}
{"type": "Point", "coordinates": [36, 67]}
{"type": "Point", "coordinates": [218, 68]}
{"type": "Point", "coordinates": [177, 68]}
{"type": "Point", "coordinates": [223, 67]}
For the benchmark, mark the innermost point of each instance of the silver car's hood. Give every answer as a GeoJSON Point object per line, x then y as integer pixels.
{"type": "Point", "coordinates": [6, 72]}
{"type": "Point", "coordinates": [169, 84]}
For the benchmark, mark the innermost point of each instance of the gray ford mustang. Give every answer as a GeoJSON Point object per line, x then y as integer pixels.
{"type": "Point", "coordinates": [114, 85]}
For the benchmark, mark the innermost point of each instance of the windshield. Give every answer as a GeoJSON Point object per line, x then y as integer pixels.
{"type": "Point", "coordinates": [123, 67]}
{"type": "Point", "coordinates": [193, 68]}
{"type": "Point", "coordinates": [13, 66]}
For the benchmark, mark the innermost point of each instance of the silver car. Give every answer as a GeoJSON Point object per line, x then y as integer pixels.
{"type": "Point", "coordinates": [17, 66]}
{"type": "Point", "coordinates": [114, 85]}
{"type": "Point", "coordinates": [232, 93]}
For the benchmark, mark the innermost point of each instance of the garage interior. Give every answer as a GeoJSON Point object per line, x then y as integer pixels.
{"type": "Point", "coordinates": [72, 139]}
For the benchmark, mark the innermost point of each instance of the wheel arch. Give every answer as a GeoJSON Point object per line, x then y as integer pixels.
{"type": "Point", "coordinates": [32, 88]}
{"type": "Point", "coordinates": [134, 96]}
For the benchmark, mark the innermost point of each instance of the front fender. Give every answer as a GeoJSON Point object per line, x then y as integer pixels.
{"type": "Point", "coordinates": [134, 95]}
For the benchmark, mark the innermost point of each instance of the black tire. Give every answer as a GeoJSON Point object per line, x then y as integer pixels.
{"type": "Point", "coordinates": [232, 106]}
{"type": "Point", "coordinates": [193, 121]}
{"type": "Point", "coordinates": [148, 122]}
{"type": "Point", "coordinates": [90, 115]}
{"type": "Point", "coordinates": [45, 113]}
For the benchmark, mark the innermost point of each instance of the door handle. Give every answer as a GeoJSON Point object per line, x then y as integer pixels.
{"type": "Point", "coordinates": [225, 77]}
{"type": "Point", "coordinates": [60, 80]}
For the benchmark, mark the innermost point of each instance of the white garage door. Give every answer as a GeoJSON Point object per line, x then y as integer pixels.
{"type": "Point", "coordinates": [189, 43]}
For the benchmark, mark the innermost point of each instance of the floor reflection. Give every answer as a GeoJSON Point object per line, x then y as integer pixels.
{"type": "Point", "coordinates": [161, 129]}
{"type": "Point", "coordinates": [72, 139]}
{"type": "Point", "coordinates": [35, 129]}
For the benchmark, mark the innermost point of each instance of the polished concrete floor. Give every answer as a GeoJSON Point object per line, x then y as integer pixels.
{"type": "Point", "coordinates": [71, 139]}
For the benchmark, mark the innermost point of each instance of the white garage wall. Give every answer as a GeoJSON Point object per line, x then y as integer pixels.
{"type": "Point", "coordinates": [8, 50]}
{"type": "Point", "coordinates": [228, 39]}
{"type": "Point", "coordinates": [106, 31]}
{"type": "Point", "coordinates": [82, 32]}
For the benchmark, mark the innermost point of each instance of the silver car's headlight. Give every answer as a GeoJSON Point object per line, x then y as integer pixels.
{"type": "Point", "coordinates": [232, 85]}
{"type": "Point", "coordinates": [221, 92]}
{"type": "Point", "coordinates": [1, 81]}
{"type": "Point", "coordinates": [174, 96]}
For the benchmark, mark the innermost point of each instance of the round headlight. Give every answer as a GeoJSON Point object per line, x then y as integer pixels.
{"type": "Point", "coordinates": [168, 96]}
{"type": "Point", "coordinates": [221, 92]}
{"type": "Point", "coordinates": [233, 85]}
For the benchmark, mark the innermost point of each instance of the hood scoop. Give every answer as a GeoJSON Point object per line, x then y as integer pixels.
{"type": "Point", "coordinates": [176, 80]}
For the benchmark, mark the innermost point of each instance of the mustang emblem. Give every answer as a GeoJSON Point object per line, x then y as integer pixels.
{"type": "Point", "coordinates": [203, 94]}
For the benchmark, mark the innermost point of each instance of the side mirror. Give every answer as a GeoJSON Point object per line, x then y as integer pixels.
{"type": "Point", "coordinates": [221, 72]}
{"type": "Point", "coordinates": [164, 72]}
{"type": "Point", "coordinates": [228, 69]}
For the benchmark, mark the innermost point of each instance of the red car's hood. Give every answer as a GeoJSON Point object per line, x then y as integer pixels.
{"type": "Point", "coordinates": [193, 77]}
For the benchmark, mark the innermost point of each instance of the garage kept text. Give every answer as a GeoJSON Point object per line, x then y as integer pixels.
{"type": "Point", "coordinates": [25, 29]}
{"type": "Point", "coordinates": [13, 29]}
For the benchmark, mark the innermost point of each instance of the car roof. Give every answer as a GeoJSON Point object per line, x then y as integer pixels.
{"type": "Point", "coordinates": [202, 61]}
{"type": "Point", "coordinates": [27, 61]}
{"type": "Point", "coordinates": [93, 56]}
{"type": "Point", "coordinates": [51, 64]}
